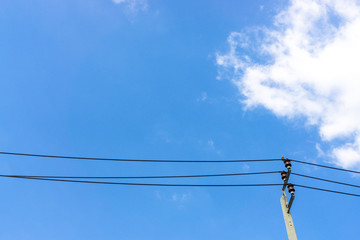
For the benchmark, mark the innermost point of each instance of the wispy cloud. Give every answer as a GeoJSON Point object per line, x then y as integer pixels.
{"type": "Point", "coordinates": [179, 199]}
{"type": "Point", "coordinates": [310, 71]}
{"type": "Point", "coordinates": [133, 6]}
{"type": "Point", "coordinates": [212, 148]}
{"type": "Point", "coordinates": [176, 197]}
{"type": "Point", "coordinates": [204, 97]}
{"type": "Point", "coordinates": [211, 143]}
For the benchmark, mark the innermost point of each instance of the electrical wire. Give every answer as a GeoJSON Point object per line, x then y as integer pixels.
{"type": "Point", "coordinates": [66, 178]}
{"type": "Point", "coordinates": [171, 161]}
{"type": "Point", "coordinates": [327, 190]}
{"type": "Point", "coordinates": [138, 160]}
{"type": "Point", "coordinates": [324, 166]}
{"type": "Point", "coordinates": [326, 180]}
{"type": "Point", "coordinates": [141, 177]}
{"type": "Point", "coordinates": [177, 185]}
{"type": "Point", "coordinates": [152, 184]}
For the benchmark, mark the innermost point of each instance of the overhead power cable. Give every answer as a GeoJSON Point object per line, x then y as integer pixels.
{"type": "Point", "coordinates": [325, 180]}
{"type": "Point", "coordinates": [324, 166]}
{"type": "Point", "coordinates": [138, 160]}
{"type": "Point", "coordinates": [171, 161]}
{"type": "Point", "coordinates": [327, 190]}
{"type": "Point", "coordinates": [142, 177]}
{"type": "Point", "coordinates": [179, 185]}
{"type": "Point", "coordinates": [152, 184]}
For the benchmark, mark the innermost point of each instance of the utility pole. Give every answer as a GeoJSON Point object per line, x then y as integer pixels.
{"type": "Point", "coordinates": [285, 205]}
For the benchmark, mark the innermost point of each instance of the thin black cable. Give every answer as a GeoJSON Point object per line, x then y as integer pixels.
{"type": "Point", "coordinates": [152, 184]}
{"type": "Point", "coordinates": [137, 160]}
{"type": "Point", "coordinates": [182, 185]}
{"type": "Point", "coordinates": [141, 177]}
{"type": "Point", "coordinates": [324, 166]}
{"type": "Point", "coordinates": [327, 190]}
{"type": "Point", "coordinates": [326, 180]}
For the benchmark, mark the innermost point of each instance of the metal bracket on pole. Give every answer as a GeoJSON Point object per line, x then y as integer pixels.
{"type": "Point", "coordinates": [291, 201]}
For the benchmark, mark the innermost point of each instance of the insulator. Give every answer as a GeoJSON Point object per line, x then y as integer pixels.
{"type": "Point", "coordinates": [287, 163]}
{"type": "Point", "coordinates": [283, 175]}
{"type": "Point", "coordinates": [291, 188]}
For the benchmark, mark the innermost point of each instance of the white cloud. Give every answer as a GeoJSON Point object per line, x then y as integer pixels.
{"type": "Point", "coordinates": [246, 167]}
{"type": "Point", "coordinates": [309, 68]}
{"type": "Point", "coordinates": [211, 143]}
{"type": "Point", "coordinates": [180, 197]}
{"type": "Point", "coordinates": [212, 148]}
{"type": "Point", "coordinates": [204, 97]}
{"type": "Point", "coordinates": [133, 5]}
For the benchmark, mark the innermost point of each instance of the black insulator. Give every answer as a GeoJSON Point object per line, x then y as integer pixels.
{"type": "Point", "coordinates": [291, 188]}
{"type": "Point", "coordinates": [283, 175]}
{"type": "Point", "coordinates": [287, 163]}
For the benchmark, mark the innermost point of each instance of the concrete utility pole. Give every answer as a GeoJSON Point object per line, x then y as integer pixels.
{"type": "Point", "coordinates": [285, 205]}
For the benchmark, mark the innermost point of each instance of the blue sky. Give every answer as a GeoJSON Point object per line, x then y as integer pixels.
{"type": "Point", "coordinates": [177, 80]}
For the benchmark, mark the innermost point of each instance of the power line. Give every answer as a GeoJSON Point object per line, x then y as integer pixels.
{"type": "Point", "coordinates": [171, 161]}
{"type": "Point", "coordinates": [177, 185]}
{"type": "Point", "coordinates": [325, 180]}
{"type": "Point", "coordinates": [141, 177]}
{"type": "Point", "coordinates": [327, 190]}
{"type": "Point", "coordinates": [138, 160]}
{"type": "Point", "coordinates": [324, 166]}
{"type": "Point", "coordinates": [151, 184]}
